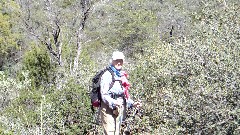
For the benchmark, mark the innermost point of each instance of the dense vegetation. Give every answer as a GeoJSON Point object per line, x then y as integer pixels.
{"type": "Point", "coordinates": [183, 57]}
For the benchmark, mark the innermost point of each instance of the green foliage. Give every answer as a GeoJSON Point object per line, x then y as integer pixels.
{"type": "Point", "coordinates": [188, 80]}
{"type": "Point", "coordinates": [87, 68]}
{"type": "Point", "coordinates": [8, 36]}
{"type": "Point", "coordinates": [66, 3]}
{"type": "Point", "coordinates": [69, 112]}
{"type": "Point", "coordinates": [37, 62]}
{"type": "Point", "coordinates": [191, 86]}
{"type": "Point", "coordinates": [65, 111]}
{"type": "Point", "coordinates": [126, 26]}
{"type": "Point", "coordinates": [151, 78]}
{"type": "Point", "coordinates": [10, 89]}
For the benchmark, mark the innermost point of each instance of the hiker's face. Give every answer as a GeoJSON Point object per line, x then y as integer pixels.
{"type": "Point", "coordinates": [118, 64]}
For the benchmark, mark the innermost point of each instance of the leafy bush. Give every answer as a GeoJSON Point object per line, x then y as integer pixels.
{"type": "Point", "coordinates": [67, 111]}
{"type": "Point", "coordinates": [11, 89]}
{"type": "Point", "coordinates": [41, 70]}
{"type": "Point", "coordinates": [192, 86]}
{"type": "Point", "coordinates": [182, 95]}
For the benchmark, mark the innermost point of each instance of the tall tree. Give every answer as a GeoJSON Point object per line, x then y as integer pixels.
{"type": "Point", "coordinates": [58, 25]}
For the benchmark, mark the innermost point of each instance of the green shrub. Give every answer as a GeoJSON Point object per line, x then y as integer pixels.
{"type": "Point", "coordinates": [67, 111]}
{"type": "Point", "coordinates": [41, 70]}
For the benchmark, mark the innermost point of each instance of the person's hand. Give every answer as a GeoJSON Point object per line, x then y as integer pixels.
{"type": "Point", "coordinates": [137, 104]}
{"type": "Point", "coordinates": [116, 111]}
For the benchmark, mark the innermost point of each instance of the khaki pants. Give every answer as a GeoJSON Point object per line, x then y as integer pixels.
{"type": "Point", "coordinates": [110, 122]}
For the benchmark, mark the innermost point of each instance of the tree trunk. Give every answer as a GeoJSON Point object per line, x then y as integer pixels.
{"type": "Point", "coordinates": [76, 59]}
{"type": "Point", "coordinates": [80, 32]}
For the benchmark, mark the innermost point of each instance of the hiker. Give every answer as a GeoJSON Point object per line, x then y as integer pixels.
{"type": "Point", "coordinates": [114, 100]}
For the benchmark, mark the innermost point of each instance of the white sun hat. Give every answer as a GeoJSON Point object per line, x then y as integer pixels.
{"type": "Point", "coordinates": [117, 55]}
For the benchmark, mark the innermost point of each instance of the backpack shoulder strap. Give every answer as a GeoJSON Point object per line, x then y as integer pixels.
{"type": "Point", "coordinates": [112, 73]}
{"type": "Point", "coordinates": [113, 79]}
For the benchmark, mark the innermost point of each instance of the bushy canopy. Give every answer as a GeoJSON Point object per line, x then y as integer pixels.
{"type": "Point", "coordinates": [182, 58]}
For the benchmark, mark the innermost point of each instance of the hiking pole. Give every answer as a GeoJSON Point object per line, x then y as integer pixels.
{"type": "Point", "coordinates": [116, 113]}
{"type": "Point", "coordinates": [120, 117]}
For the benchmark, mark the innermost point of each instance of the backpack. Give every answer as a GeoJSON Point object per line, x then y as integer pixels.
{"type": "Point", "coordinates": [95, 89]}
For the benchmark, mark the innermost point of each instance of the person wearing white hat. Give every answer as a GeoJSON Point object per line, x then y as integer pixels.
{"type": "Point", "coordinates": [113, 100]}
